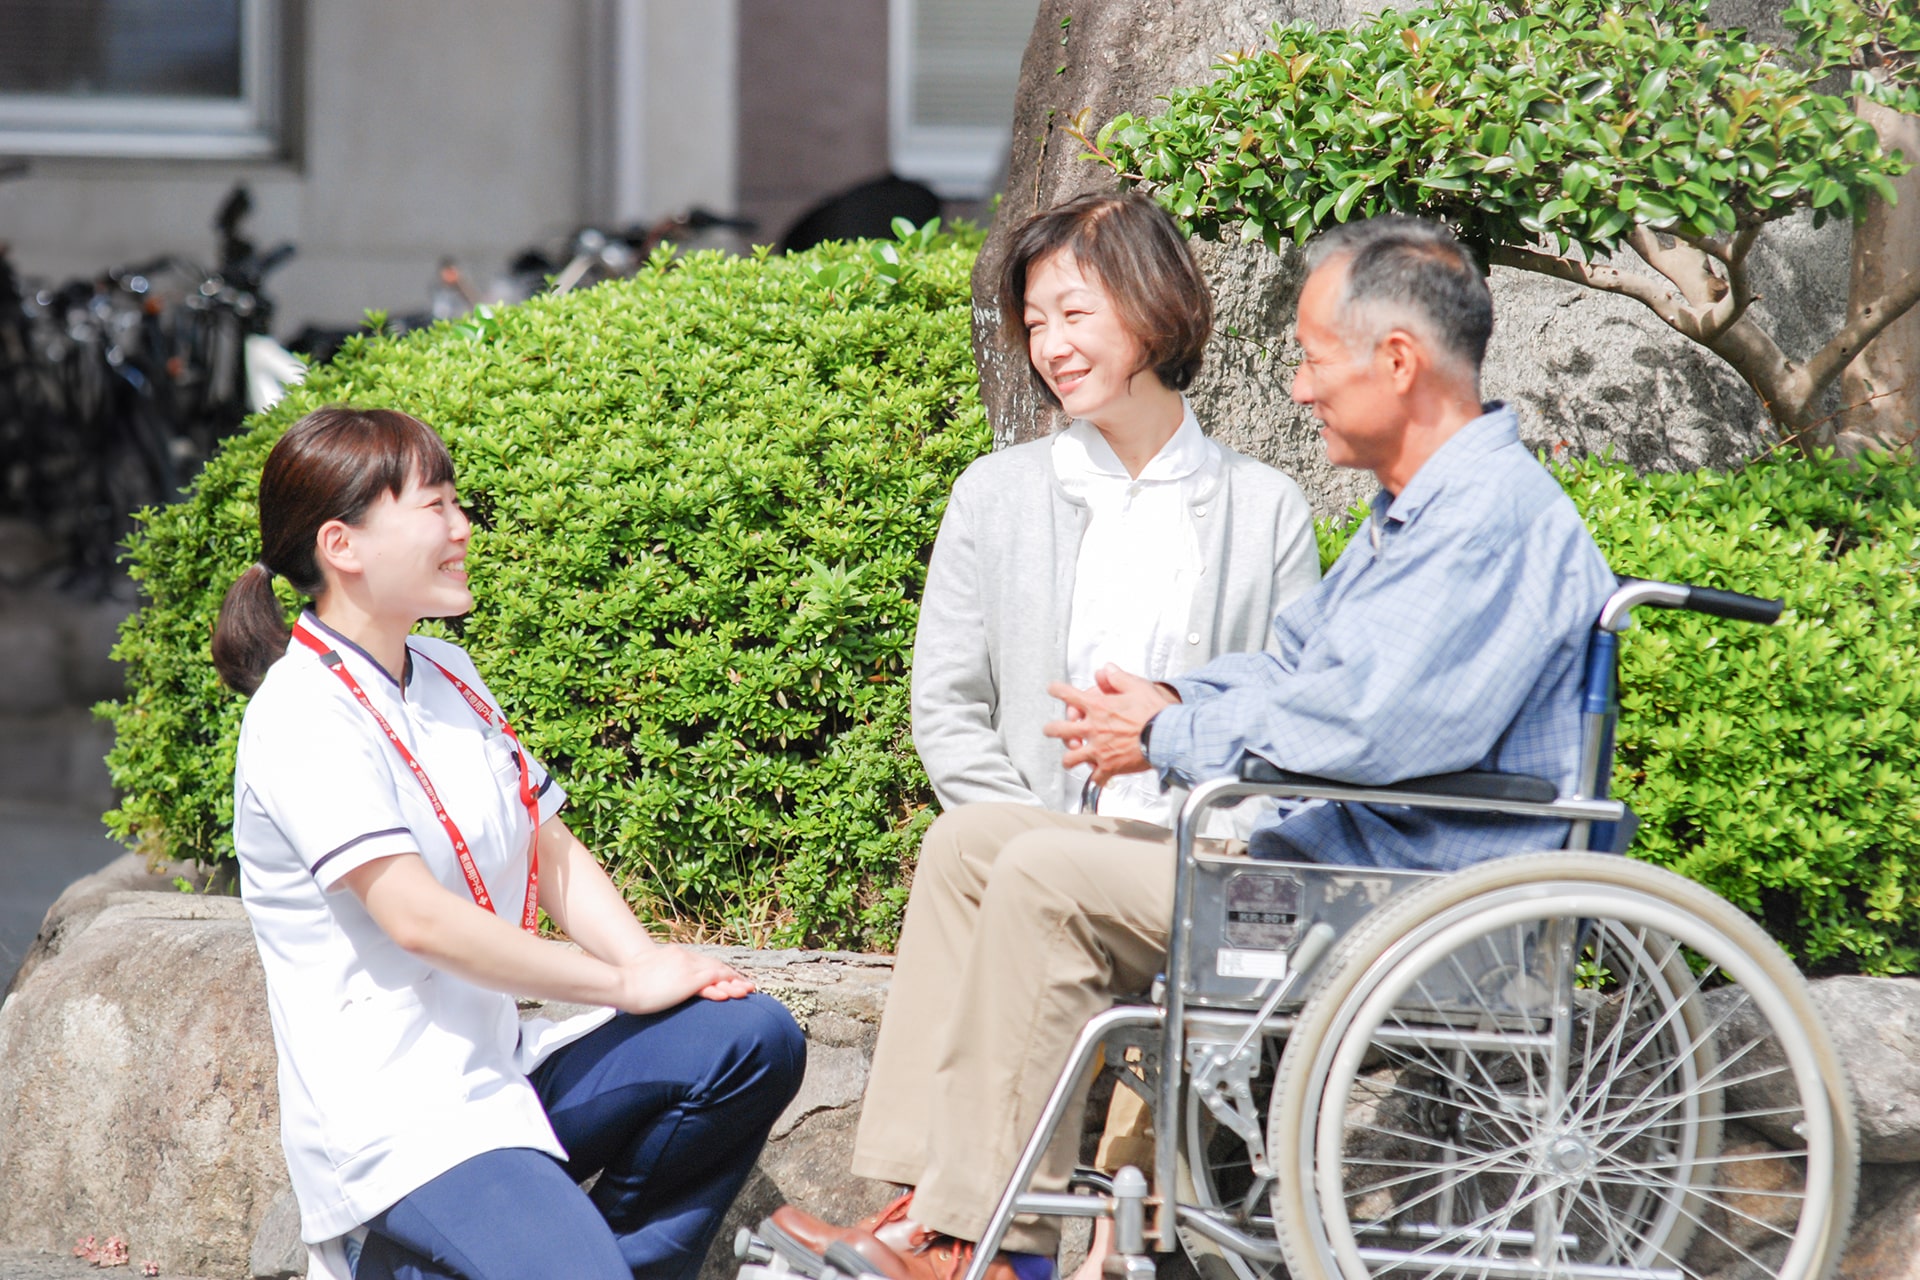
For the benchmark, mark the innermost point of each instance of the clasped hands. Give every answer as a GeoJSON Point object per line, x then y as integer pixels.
{"type": "Point", "coordinates": [1102, 728]}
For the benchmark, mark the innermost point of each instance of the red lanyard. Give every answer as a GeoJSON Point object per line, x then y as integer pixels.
{"type": "Point", "coordinates": [475, 885]}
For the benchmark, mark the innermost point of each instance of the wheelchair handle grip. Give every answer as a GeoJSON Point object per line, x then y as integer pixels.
{"type": "Point", "coordinates": [1633, 593]}
{"type": "Point", "coordinates": [1734, 605]}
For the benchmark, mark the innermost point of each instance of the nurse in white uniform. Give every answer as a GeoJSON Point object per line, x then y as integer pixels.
{"type": "Point", "coordinates": [395, 839]}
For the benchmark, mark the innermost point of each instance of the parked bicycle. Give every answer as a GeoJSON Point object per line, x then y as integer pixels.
{"type": "Point", "coordinates": [115, 389]}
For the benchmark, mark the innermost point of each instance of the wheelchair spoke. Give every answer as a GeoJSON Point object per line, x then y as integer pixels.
{"type": "Point", "coordinates": [1486, 1094]}
{"type": "Point", "coordinates": [1706, 1226]}
{"type": "Point", "coordinates": [1482, 1162]}
{"type": "Point", "coordinates": [1461, 1096]}
{"type": "Point", "coordinates": [1614, 1224]}
{"type": "Point", "coordinates": [1484, 1235]}
{"type": "Point", "coordinates": [1624, 1006]}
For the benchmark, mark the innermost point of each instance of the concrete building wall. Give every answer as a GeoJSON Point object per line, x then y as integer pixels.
{"type": "Point", "coordinates": [813, 104]}
{"type": "Point", "coordinates": [689, 146]}
{"type": "Point", "coordinates": [432, 128]}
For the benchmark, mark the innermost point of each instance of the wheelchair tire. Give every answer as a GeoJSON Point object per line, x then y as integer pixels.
{"type": "Point", "coordinates": [1541, 1045]}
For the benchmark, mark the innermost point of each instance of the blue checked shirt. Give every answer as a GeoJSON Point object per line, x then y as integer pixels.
{"type": "Point", "coordinates": [1450, 635]}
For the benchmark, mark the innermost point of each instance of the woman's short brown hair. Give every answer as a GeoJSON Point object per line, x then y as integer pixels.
{"type": "Point", "coordinates": [1140, 258]}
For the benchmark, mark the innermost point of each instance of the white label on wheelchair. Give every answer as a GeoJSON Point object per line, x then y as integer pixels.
{"type": "Point", "coordinates": [1251, 964]}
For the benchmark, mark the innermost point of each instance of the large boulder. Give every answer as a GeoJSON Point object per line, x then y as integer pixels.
{"type": "Point", "coordinates": [1587, 370]}
{"type": "Point", "coordinates": [137, 1088]}
{"type": "Point", "coordinates": [138, 1093]}
{"type": "Point", "coordinates": [1875, 1024]}
{"type": "Point", "coordinates": [837, 1000]}
{"type": "Point", "coordinates": [1885, 1244]}
{"type": "Point", "coordinates": [88, 896]}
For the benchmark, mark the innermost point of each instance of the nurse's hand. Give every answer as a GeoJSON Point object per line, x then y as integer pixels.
{"type": "Point", "coordinates": [664, 976]}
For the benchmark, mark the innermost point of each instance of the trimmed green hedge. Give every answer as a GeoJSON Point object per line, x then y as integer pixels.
{"type": "Point", "coordinates": [703, 500]}
{"type": "Point", "coordinates": [1779, 766]}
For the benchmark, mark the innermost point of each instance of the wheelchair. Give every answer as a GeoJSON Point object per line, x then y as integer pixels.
{"type": "Point", "coordinates": [1558, 1064]}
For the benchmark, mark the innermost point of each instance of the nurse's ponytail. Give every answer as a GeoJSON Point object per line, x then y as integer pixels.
{"type": "Point", "coordinates": [331, 465]}
{"type": "Point", "coordinates": [252, 630]}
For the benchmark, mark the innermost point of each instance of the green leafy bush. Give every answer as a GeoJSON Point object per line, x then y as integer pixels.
{"type": "Point", "coordinates": [1573, 120]}
{"type": "Point", "coordinates": [1779, 766]}
{"type": "Point", "coordinates": [703, 500]}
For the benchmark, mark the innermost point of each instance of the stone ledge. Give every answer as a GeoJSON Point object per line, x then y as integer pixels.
{"type": "Point", "coordinates": [37, 1264]}
{"type": "Point", "coordinates": [141, 1103]}
{"type": "Point", "coordinates": [138, 1092]}
{"type": "Point", "coordinates": [88, 896]}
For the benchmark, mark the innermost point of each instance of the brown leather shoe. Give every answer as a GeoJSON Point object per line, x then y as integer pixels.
{"type": "Point", "coordinates": [804, 1240]}
{"type": "Point", "coordinates": [814, 1235]}
{"type": "Point", "coordinates": [890, 1241]}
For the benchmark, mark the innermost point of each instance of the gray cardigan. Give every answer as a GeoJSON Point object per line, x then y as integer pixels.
{"type": "Point", "coordinates": [993, 623]}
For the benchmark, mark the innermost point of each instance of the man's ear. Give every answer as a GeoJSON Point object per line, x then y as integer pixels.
{"type": "Point", "coordinates": [333, 548]}
{"type": "Point", "coordinates": [1405, 357]}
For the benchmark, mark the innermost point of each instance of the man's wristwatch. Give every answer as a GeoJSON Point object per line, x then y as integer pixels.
{"type": "Point", "coordinates": [1146, 735]}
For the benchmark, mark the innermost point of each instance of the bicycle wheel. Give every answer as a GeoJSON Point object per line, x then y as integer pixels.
{"type": "Point", "coordinates": [1522, 1070]}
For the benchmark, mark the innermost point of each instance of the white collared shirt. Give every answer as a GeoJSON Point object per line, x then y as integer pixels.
{"type": "Point", "coordinates": [1138, 566]}
{"type": "Point", "coordinates": [391, 1071]}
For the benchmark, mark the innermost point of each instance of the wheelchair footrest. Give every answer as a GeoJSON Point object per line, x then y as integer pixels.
{"type": "Point", "coordinates": [770, 1247]}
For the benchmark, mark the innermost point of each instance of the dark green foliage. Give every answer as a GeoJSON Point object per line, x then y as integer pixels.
{"type": "Point", "coordinates": [1572, 120]}
{"type": "Point", "coordinates": [1779, 766]}
{"type": "Point", "coordinates": [703, 501]}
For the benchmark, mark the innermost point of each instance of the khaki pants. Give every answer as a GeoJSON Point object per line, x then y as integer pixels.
{"type": "Point", "coordinates": [1022, 924]}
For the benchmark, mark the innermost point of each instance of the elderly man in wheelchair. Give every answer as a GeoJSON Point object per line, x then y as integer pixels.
{"type": "Point", "coordinates": [1432, 1025]}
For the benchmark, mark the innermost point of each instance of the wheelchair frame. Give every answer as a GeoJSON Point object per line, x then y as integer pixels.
{"type": "Point", "coordinates": [1362, 989]}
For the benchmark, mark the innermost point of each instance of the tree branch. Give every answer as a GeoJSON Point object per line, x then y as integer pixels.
{"type": "Point", "coordinates": [1709, 245]}
{"type": "Point", "coordinates": [1740, 342]}
{"type": "Point", "coordinates": [1862, 327]}
{"type": "Point", "coordinates": [1757, 358]}
{"type": "Point", "coordinates": [1728, 310]}
{"type": "Point", "coordinates": [1593, 275]}
{"type": "Point", "coordinates": [1686, 265]}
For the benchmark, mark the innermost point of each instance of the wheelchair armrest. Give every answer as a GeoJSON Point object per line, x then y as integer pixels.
{"type": "Point", "coordinates": [1472, 784]}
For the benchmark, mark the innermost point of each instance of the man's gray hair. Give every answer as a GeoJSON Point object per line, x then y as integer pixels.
{"type": "Point", "coordinates": [1409, 273]}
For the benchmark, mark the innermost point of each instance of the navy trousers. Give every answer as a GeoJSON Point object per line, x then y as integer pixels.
{"type": "Point", "coordinates": [670, 1109]}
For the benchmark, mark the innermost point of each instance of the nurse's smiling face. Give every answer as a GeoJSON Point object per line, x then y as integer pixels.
{"type": "Point", "coordinates": [410, 553]}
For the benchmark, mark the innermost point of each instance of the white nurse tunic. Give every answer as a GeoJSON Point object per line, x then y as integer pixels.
{"type": "Point", "coordinates": [391, 1071]}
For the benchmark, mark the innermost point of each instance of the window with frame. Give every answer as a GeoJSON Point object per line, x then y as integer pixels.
{"type": "Point", "coordinates": [954, 66]}
{"type": "Point", "coordinates": [164, 78]}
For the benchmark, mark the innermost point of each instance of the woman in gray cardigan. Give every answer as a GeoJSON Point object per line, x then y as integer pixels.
{"type": "Point", "coordinates": [1127, 537]}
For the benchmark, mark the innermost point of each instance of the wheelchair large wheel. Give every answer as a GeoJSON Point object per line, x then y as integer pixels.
{"type": "Point", "coordinates": [1561, 1064]}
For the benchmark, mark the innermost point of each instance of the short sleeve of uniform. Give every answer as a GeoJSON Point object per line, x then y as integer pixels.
{"type": "Point", "coordinates": [553, 797]}
{"type": "Point", "coordinates": [324, 774]}
{"type": "Point", "coordinates": [546, 788]}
